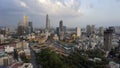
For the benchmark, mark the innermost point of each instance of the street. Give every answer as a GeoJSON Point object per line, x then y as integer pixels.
{"type": "Point", "coordinates": [33, 61]}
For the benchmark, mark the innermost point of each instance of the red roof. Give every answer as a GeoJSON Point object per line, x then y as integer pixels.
{"type": "Point", "coordinates": [15, 65]}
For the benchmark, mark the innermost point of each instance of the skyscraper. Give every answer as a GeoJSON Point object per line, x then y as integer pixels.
{"type": "Point", "coordinates": [93, 29]}
{"type": "Point", "coordinates": [61, 25]}
{"type": "Point", "coordinates": [26, 25]}
{"type": "Point", "coordinates": [88, 30]}
{"type": "Point", "coordinates": [30, 27]}
{"type": "Point", "coordinates": [64, 29]}
{"type": "Point", "coordinates": [20, 29]}
{"type": "Point", "coordinates": [25, 21]}
{"type": "Point", "coordinates": [57, 31]}
{"type": "Point", "coordinates": [47, 23]}
{"type": "Point", "coordinates": [108, 39]}
{"type": "Point", "coordinates": [101, 31]}
{"type": "Point", "coordinates": [78, 32]}
{"type": "Point", "coordinates": [61, 32]}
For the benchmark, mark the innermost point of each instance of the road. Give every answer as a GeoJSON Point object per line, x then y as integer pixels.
{"type": "Point", "coordinates": [33, 61]}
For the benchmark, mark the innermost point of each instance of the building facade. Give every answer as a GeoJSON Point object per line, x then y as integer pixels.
{"type": "Point", "coordinates": [108, 39]}
{"type": "Point", "coordinates": [78, 32]}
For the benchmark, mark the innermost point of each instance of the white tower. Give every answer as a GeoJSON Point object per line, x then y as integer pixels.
{"type": "Point", "coordinates": [78, 32]}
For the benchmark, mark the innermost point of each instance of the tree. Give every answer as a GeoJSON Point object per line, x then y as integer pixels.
{"type": "Point", "coordinates": [23, 58]}
{"type": "Point", "coordinates": [49, 59]}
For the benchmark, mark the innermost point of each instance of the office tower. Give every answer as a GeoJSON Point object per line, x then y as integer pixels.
{"type": "Point", "coordinates": [57, 31]}
{"type": "Point", "coordinates": [26, 25]}
{"type": "Point", "coordinates": [119, 44]}
{"type": "Point", "coordinates": [108, 39]}
{"type": "Point", "coordinates": [101, 31]}
{"type": "Point", "coordinates": [64, 29]}
{"type": "Point", "coordinates": [93, 29]}
{"type": "Point", "coordinates": [88, 30]}
{"type": "Point", "coordinates": [30, 27]}
{"type": "Point", "coordinates": [61, 25]}
{"type": "Point", "coordinates": [25, 21]}
{"type": "Point", "coordinates": [20, 29]}
{"type": "Point", "coordinates": [47, 23]}
{"type": "Point", "coordinates": [2, 31]}
{"type": "Point", "coordinates": [61, 32]}
{"type": "Point", "coordinates": [112, 28]}
{"type": "Point", "coordinates": [78, 32]}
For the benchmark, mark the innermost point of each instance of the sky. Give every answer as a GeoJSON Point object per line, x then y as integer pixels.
{"type": "Point", "coordinates": [74, 13]}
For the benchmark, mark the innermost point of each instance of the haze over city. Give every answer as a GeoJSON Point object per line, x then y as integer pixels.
{"type": "Point", "coordinates": [72, 12]}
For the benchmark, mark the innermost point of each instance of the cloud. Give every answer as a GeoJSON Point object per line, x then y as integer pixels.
{"type": "Point", "coordinates": [57, 7]}
{"type": "Point", "coordinates": [70, 11]}
{"type": "Point", "coordinates": [43, 7]}
{"type": "Point", "coordinates": [23, 4]}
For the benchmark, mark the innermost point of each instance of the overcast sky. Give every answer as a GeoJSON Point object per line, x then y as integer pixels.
{"type": "Point", "coordinates": [73, 12]}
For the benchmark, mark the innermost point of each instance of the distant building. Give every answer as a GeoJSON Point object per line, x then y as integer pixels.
{"type": "Point", "coordinates": [20, 29]}
{"type": "Point", "coordinates": [6, 60]}
{"type": "Point", "coordinates": [26, 25]}
{"type": "Point", "coordinates": [61, 32]}
{"type": "Point", "coordinates": [47, 23]}
{"type": "Point", "coordinates": [61, 37]}
{"type": "Point", "coordinates": [108, 39]}
{"type": "Point", "coordinates": [93, 31]}
{"type": "Point", "coordinates": [88, 30]}
{"type": "Point", "coordinates": [55, 37]}
{"type": "Point", "coordinates": [78, 32]}
{"type": "Point", "coordinates": [30, 27]}
{"type": "Point", "coordinates": [57, 31]}
{"type": "Point", "coordinates": [101, 31]}
{"type": "Point", "coordinates": [64, 29]}
{"type": "Point", "coordinates": [117, 29]}
{"type": "Point", "coordinates": [61, 25]}
{"type": "Point", "coordinates": [2, 38]}
{"type": "Point", "coordinates": [25, 21]}
{"type": "Point", "coordinates": [112, 28]}
{"type": "Point", "coordinates": [3, 31]}
{"type": "Point", "coordinates": [119, 43]}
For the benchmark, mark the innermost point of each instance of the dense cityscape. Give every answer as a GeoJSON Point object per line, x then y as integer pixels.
{"type": "Point", "coordinates": [60, 47]}
{"type": "Point", "coordinates": [59, 33]}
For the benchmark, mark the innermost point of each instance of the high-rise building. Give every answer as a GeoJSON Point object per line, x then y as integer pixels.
{"type": "Point", "coordinates": [88, 30]}
{"type": "Point", "coordinates": [57, 31]}
{"type": "Point", "coordinates": [108, 39]}
{"type": "Point", "coordinates": [64, 29]}
{"type": "Point", "coordinates": [112, 28]}
{"type": "Point", "coordinates": [3, 31]}
{"type": "Point", "coordinates": [25, 21]}
{"type": "Point", "coordinates": [78, 32]}
{"type": "Point", "coordinates": [61, 25]}
{"type": "Point", "coordinates": [26, 25]}
{"type": "Point", "coordinates": [119, 44]}
{"type": "Point", "coordinates": [30, 27]}
{"type": "Point", "coordinates": [61, 32]}
{"type": "Point", "coordinates": [101, 31]}
{"type": "Point", "coordinates": [93, 29]}
{"type": "Point", "coordinates": [47, 23]}
{"type": "Point", "coordinates": [20, 29]}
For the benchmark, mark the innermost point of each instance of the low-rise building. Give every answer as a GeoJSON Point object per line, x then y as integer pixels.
{"type": "Point", "coordinates": [26, 65]}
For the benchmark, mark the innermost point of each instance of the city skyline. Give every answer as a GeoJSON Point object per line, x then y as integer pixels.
{"type": "Point", "coordinates": [74, 13]}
